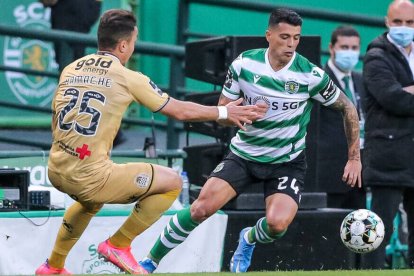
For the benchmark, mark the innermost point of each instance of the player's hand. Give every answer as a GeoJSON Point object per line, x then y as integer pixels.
{"type": "Point", "coordinates": [352, 173]}
{"type": "Point", "coordinates": [262, 109]}
{"type": "Point", "coordinates": [242, 114]}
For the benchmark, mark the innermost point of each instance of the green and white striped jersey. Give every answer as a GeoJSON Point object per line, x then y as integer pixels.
{"type": "Point", "coordinates": [280, 135]}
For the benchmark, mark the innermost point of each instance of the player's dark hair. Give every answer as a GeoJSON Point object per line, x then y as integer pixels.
{"type": "Point", "coordinates": [343, 31]}
{"type": "Point", "coordinates": [286, 16]}
{"type": "Point", "coordinates": [115, 25]}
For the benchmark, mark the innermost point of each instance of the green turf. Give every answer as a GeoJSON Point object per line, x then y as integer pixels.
{"type": "Point", "coordinates": [399, 272]}
{"type": "Point", "coordinates": [326, 273]}
{"type": "Point", "coordinates": [314, 273]}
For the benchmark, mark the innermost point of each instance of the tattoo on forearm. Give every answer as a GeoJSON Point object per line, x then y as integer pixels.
{"type": "Point", "coordinates": [351, 124]}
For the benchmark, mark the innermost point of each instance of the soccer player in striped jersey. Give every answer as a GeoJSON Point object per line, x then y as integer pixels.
{"type": "Point", "coordinates": [270, 150]}
{"type": "Point", "coordinates": [90, 100]}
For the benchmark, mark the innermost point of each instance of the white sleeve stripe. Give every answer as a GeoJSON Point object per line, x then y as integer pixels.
{"type": "Point", "coordinates": [230, 95]}
{"type": "Point", "coordinates": [230, 91]}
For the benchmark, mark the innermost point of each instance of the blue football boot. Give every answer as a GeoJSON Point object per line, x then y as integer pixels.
{"type": "Point", "coordinates": [242, 257]}
{"type": "Point", "coordinates": [148, 265]}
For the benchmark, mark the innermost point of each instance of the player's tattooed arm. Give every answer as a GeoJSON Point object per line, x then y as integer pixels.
{"type": "Point", "coordinates": [352, 171]}
{"type": "Point", "coordinates": [351, 123]}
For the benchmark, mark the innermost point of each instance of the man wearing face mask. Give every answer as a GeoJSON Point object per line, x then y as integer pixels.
{"type": "Point", "coordinates": [332, 146]}
{"type": "Point", "coordinates": [389, 127]}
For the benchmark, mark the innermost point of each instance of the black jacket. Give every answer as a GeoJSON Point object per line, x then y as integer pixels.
{"type": "Point", "coordinates": [389, 122]}
{"type": "Point", "coordinates": [75, 15]}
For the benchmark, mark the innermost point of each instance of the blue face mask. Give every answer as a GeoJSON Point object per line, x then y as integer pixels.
{"type": "Point", "coordinates": [402, 35]}
{"type": "Point", "coordinates": [346, 60]}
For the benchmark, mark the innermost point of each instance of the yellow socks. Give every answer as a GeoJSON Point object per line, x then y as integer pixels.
{"type": "Point", "coordinates": [144, 214]}
{"type": "Point", "coordinates": [75, 221]}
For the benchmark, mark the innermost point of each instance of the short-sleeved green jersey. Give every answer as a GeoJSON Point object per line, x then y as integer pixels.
{"type": "Point", "coordinates": [280, 135]}
{"type": "Point", "coordinates": [90, 100]}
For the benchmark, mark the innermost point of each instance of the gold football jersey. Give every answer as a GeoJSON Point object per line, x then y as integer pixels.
{"type": "Point", "coordinates": [89, 102]}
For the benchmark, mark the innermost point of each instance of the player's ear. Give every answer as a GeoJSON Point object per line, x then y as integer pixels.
{"type": "Point", "coordinates": [123, 46]}
{"type": "Point", "coordinates": [268, 35]}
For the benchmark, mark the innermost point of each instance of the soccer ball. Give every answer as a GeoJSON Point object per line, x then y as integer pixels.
{"type": "Point", "coordinates": [362, 231]}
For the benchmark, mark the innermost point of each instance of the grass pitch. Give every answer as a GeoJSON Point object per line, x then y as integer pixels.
{"type": "Point", "coordinates": [399, 272]}
{"type": "Point", "coordinates": [314, 273]}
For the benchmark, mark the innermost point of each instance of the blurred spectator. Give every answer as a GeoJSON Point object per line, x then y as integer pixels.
{"type": "Point", "coordinates": [333, 149]}
{"type": "Point", "coordinates": [389, 126]}
{"type": "Point", "coordinates": [72, 15]}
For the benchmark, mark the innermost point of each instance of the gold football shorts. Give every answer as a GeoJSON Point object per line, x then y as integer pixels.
{"type": "Point", "coordinates": [126, 184]}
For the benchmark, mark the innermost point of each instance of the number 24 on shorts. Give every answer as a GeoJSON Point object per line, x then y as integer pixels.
{"type": "Point", "coordinates": [283, 184]}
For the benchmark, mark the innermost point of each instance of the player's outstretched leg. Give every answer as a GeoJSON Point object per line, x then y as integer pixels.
{"type": "Point", "coordinates": [75, 221]}
{"type": "Point", "coordinates": [242, 257]}
{"type": "Point", "coordinates": [121, 257]}
{"type": "Point", "coordinates": [117, 249]}
{"type": "Point", "coordinates": [176, 232]}
{"type": "Point", "coordinates": [46, 269]}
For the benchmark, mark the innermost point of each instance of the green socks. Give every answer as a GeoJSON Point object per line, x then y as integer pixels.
{"type": "Point", "coordinates": [176, 231]}
{"type": "Point", "coordinates": [260, 233]}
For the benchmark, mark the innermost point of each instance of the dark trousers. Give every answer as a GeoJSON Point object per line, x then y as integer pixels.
{"type": "Point", "coordinates": [353, 199]}
{"type": "Point", "coordinates": [385, 203]}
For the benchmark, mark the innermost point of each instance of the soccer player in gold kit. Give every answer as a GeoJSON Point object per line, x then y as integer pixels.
{"type": "Point", "coordinates": [91, 97]}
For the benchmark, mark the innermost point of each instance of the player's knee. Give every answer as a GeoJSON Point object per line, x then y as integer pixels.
{"type": "Point", "coordinates": [174, 180]}
{"type": "Point", "coordinates": [92, 208]}
{"type": "Point", "coordinates": [200, 211]}
{"type": "Point", "coordinates": [277, 224]}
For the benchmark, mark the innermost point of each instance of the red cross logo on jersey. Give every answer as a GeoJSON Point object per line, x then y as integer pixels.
{"type": "Point", "coordinates": [83, 151]}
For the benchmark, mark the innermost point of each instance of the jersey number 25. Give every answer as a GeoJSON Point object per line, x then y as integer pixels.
{"type": "Point", "coordinates": [84, 108]}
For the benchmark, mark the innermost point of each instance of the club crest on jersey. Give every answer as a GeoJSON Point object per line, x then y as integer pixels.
{"type": "Point", "coordinates": [291, 87]}
{"type": "Point", "coordinates": [142, 180]}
